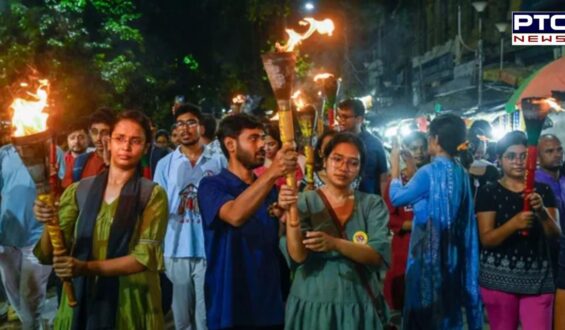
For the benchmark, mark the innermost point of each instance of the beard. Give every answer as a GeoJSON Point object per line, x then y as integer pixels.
{"type": "Point", "coordinates": [248, 160]}
{"type": "Point", "coordinates": [78, 149]}
{"type": "Point", "coordinates": [191, 142]}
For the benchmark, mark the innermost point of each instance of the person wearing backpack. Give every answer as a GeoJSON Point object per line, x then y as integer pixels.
{"type": "Point", "coordinates": [113, 225]}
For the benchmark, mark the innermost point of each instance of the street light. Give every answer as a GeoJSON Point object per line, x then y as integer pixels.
{"type": "Point", "coordinates": [309, 6]}
{"type": "Point", "coordinates": [480, 7]}
{"type": "Point", "coordinates": [501, 27]}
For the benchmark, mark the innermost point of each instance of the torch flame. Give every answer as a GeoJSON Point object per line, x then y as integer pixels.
{"type": "Point", "coordinates": [28, 115]}
{"type": "Point", "coordinates": [294, 38]}
{"type": "Point", "coordinates": [298, 100]}
{"type": "Point", "coordinates": [322, 76]}
{"type": "Point", "coordinates": [238, 99]}
{"type": "Point", "coordinates": [549, 104]}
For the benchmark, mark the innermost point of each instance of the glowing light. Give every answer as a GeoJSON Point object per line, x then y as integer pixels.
{"type": "Point", "coordinates": [498, 132]}
{"type": "Point", "coordinates": [298, 100]}
{"type": "Point", "coordinates": [322, 76]}
{"type": "Point", "coordinates": [325, 26]}
{"type": "Point", "coordinates": [28, 115]}
{"type": "Point", "coordinates": [391, 131]}
{"type": "Point", "coordinates": [309, 6]}
{"type": "Point", "coordinates": [238, 99]}
{"type": "Point", "coordinates": [405, 130]}
{"type": "Point", "coordinates": [367, 101]}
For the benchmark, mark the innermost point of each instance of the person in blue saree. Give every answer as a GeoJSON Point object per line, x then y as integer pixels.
{"type": "Point", "coordinates": [338, 249]}
{"type": "Point", "coordinates": [442, 268]}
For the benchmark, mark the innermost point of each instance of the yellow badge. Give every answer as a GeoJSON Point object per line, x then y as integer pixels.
{"type": "Point", "coordinates": [360, 237]}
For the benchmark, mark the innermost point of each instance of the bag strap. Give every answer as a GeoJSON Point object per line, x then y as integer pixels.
{"type": "Point", "coordinates": [377, 304]}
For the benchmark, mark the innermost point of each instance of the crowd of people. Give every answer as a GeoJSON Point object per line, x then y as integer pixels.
{"type": "Point", "coordinates": [199, 221]}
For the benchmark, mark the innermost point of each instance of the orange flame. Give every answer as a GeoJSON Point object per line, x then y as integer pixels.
{"type": "Point", "coordinates": [549, 104]}
{"type": "Point", "coordinates": [238, 99]}
{"type": "Point", "coordinates": [28, 115]}
{"type": "Point", "coordinates": [322, 76]}
{"type": "Point", "coordinates": [298, 100]}
{"type": "Point", "coordinates": [294, 38]}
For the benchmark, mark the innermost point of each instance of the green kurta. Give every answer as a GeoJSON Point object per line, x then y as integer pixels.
{"type": "Point", "coordinates": [139, 302]}
{"type": "Point", "coordinates": [327, 292]}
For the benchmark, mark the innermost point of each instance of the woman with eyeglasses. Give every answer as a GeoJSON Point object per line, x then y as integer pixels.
{"type": "Point", "coordinates": [516, 277]}
{"type": "Point", "coordinates": [338, 248]}
{"type": "Point", "coordinates": [442, 267]}
{"type": "Point", "coordinates": [113, 225]}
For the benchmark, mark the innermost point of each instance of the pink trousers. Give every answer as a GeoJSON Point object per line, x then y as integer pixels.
{"type": "Point", "coordinates": [506, 310]}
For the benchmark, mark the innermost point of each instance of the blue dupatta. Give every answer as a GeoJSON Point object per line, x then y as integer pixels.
{"type": "Point", "coordinates": [442, 269]}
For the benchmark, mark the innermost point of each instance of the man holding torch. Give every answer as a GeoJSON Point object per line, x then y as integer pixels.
{"type": "Point", "coordinates": [23, 277]}
{"type": "Point", "coordinates": [243, 286]}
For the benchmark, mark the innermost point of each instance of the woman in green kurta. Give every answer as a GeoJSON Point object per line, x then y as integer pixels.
{"type": "Point", "coordinates": [114, 290]}
{"type": "Point", "coordinates": [338, 248]}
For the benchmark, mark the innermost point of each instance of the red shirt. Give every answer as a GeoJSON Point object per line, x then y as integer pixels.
{"type": "Point", "coordinates": [394, 280]}
{"type": "Point", "coordinates": [94, 165]}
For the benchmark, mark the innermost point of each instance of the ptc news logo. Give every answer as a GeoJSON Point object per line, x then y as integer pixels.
{"type": "Point", "coordinates": [536, 28]}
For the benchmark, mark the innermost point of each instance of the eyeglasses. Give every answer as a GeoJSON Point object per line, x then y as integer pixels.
{"type": "Point", "coordinates": [351, 164]}
{"type": "Point", "coordinates": [134, 141]}
{"type": "Point", "coordinates": [191, 123]}
{"type": "Point", "coordinates": [102, 132]}
{"type": "Point", "coordinates": [512, 156]}
{"type": "Point", "coordinates": [341, 117]}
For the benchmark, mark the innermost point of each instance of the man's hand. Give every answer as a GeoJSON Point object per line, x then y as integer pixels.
{"type": "Point", "coordinates": [285, 161]}
{"type": "Point", "coordinates": [287, 197]}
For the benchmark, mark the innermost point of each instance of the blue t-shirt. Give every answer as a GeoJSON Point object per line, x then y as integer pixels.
{"type": "Point", "coordinates": [243, 285]}
{"type": "Point", "coordinates": [375, 164]}
{"type": "Point", "coordinates": [18, 226]}
{"type": "Point", "coordinates": [175, 173]}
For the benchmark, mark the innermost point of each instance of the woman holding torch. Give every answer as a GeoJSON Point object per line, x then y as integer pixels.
{"type": "Point", "coordinates": [338, 248]}
{"type": "Point", "coordinates": [115, 223]}
{"type": "Point", "coordinates": [516, 278]}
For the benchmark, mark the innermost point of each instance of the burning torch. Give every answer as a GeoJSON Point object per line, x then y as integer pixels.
{"type": "Point", "coordinates": [36, 146]}
{"type": "Point", "coordinates": [280, 66]}
{"type": "Point", "coordinates": [306, 120]}
{"type": "Point", "coordinates": [534, 110]}
{"type": "Point", "coordinates": [330, 86]}
{"type": "Point", "coordinates": [237, 103]}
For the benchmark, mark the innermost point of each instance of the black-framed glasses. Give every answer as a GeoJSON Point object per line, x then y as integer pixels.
{"type": "Point", "coordinates": [191, 123]}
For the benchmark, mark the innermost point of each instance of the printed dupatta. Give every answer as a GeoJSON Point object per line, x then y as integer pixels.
{"type": "Point", "coordinates": [442, 269]}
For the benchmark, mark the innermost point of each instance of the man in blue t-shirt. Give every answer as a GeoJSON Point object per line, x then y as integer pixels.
{"type": "Point", "coordinates": [243, 285]}
{"type": "Point", "coordinates": [350, 116]}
